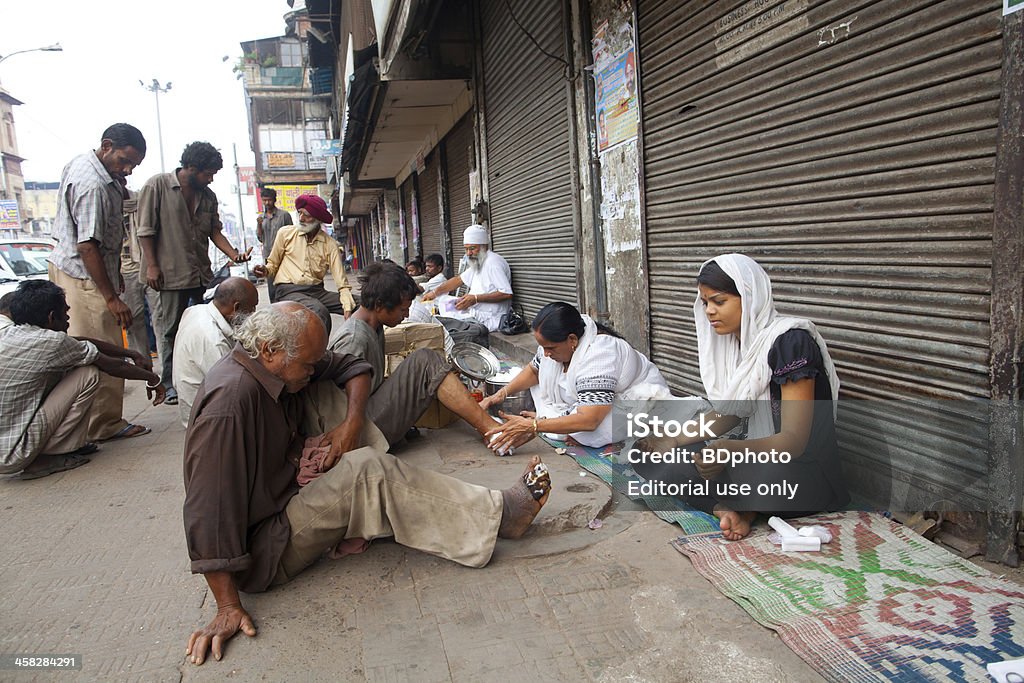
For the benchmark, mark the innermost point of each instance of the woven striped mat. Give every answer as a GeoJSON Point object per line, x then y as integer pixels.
{"type": "Point", "coordinates": [878, 603]}
{"type": "Point", "coordinates": [599, 461]}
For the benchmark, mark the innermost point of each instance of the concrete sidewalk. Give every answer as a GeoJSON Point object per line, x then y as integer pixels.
{"type": "Point", "coordinates": [95, 564]}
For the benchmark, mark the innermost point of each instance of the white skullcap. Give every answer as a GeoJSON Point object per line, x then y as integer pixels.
{"type": "Point", "coordinates": [475, 234]}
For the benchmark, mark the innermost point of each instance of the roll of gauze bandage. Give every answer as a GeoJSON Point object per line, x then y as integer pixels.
{"type": "Point", "coordinates": [801, 544]}
{"type": "Point", "coordinates": [816, 532]}
{"type": "Point", "coordinates": [784, 529]}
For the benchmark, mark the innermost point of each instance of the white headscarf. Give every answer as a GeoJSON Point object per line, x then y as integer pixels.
{"type": "Point", "coordinates": [737, 370]}
{"type": "Point", "coordinates": [475, 234]}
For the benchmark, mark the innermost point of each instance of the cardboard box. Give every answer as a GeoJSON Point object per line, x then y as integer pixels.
{"type": "Point", "coordinates": [402, 340]}
{"type": "Point", "coordinates": [436, 416]}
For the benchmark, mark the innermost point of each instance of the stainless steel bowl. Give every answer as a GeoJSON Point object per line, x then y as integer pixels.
{"type": "Point", "coordinates": [513, 403]}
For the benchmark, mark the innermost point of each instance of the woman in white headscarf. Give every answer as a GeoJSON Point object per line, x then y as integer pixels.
{"type": "Point", "coordinates": [579, 369]}
{"type": "Point", "coordinates": [772, 377]}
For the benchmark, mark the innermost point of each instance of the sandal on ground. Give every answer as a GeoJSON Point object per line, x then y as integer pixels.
{"type": "Point", "coordinates": [130, 431]}
{"type": "Point", "coordinates": [171, 397]}
{"type": "Point", "coordinates": [45, 465]}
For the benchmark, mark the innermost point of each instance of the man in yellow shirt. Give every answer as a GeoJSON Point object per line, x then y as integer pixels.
{"type": "Point", "coordinates": [300, 258]}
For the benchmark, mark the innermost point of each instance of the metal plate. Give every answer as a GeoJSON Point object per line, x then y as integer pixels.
{"type": "Point", "coordinates": [475, 361]}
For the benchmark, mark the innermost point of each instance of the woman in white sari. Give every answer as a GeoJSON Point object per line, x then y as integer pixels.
{"type": "Point", "coordinates": [579, 369]}
{"type": "Point", "coordinates": [772, 377]}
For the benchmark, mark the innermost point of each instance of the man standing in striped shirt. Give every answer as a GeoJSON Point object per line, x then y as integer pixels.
{"type": "Point", "coordinates": [86, 262]}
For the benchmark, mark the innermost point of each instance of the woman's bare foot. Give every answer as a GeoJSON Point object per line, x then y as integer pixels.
{"type": "Point", "coordinates": [734, 525]}
{"type": "Point", "coordinates": [521, 503]}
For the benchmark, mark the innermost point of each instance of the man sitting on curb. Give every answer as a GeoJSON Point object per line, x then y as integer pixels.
{"type": "Point", "coordinates": [206, 334]}
{"type": "Point", "coordinates": [48, 381]}
{"type": "Point", "coordinates": [299, 261]}
{"type": "Point", "coordinates": [490, 290]}
{"type": "Point", "coordinates": [249, 526]}
{"type": "Point", "coordinates": [386, 293]}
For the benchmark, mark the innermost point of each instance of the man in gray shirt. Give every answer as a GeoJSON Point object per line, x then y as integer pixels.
{"type": "Point", "coordinates": [177, 221]}
{"type": "Point", "coordinates": [86, 262]}
{"type": "Point", "coordinates": [267, 224]}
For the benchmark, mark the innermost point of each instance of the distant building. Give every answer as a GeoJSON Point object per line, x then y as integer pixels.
{"type": "Point", "coordinates": [12, 184]}
{"type": "Point", "coordinates": [40, 202]}
{"type": "Point", "coordinates": [289, 111]}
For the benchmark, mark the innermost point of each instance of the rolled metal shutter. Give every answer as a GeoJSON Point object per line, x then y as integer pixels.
{"type": "Point", "coordinates": [529, 180]}
{"type": "Point", "coordinates": [430, 207]}
{"type": "Point", "coordinates": [849, 147]}
{"type": "Point", "coordinates": [458, 152]}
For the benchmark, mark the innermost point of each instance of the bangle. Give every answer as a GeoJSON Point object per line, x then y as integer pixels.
{"type": "Point", "coordinates": [476, 299]}
{"type": "Point", "coordinates": [535, 426]}
{"type": "Point", "coordinates": [153, 386]}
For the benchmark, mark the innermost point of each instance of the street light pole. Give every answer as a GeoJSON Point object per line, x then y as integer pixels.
{"type": "Point", "coordinates": [156, 89]}
{"type": "Point", "coordinates": [241, 211]}
{"type": "Point", "coordinates": [49, 48]}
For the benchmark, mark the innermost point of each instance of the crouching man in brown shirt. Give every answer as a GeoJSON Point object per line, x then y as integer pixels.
{"type": "Point", "coordinates": [249, 526]}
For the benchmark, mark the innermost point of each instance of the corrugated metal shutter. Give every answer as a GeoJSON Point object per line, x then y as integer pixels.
{"type": "Point", "coordinates": [849, 147]}
{"type": "Point", "coordinates": [529, 180]}
{"type": "Point", "coordinates": [458, 150]}
{"type": "Point", "coordinates": [430, 207]}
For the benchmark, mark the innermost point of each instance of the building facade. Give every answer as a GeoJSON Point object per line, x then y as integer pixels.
{"type": "Point", "coordinates": [289, 111]}
{"type": "Point", "coordinates": [865, 152]}
{"type": "Point", "coordinates": [12, 183]}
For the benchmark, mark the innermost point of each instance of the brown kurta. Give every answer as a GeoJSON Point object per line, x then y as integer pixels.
{"type": "Point", "coordinates": [239, 469]}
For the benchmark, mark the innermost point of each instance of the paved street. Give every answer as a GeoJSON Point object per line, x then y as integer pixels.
{"type": "Point", "coordinates": [95, 564]}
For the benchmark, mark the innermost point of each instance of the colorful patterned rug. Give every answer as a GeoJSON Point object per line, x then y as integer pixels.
{"type": "Point", "coordinates": [598, 461]}
{"type": "Point", "coordinates": [878, 603]}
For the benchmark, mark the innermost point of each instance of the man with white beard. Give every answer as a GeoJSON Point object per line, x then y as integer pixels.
{"type": "Point", "coordinates": [300, 258]}
{"type": "Point", "coordinates": [488, 277]}
{"type": "Point", "coordinates": [206, 333]}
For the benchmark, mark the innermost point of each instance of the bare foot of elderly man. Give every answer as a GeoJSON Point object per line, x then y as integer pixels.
{"type": "Point", "coordinates": [522, 502]}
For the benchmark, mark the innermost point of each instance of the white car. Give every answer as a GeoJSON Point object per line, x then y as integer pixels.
{"type": "Point", "coordinates": [23, 259]}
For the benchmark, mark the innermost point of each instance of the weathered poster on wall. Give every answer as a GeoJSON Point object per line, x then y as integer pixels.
{"type": "Point", "coordinates": [615, 100]}
{"type": "Point", "coordinates": [10, 218]}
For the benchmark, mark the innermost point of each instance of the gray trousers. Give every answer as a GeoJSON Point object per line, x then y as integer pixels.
{"type": "Point", "coordinates": [466, 331]}
{"type": "Point", "coordinates": [135, 298]}
{"type": "Point", "coordinates": [313, 297]}
{"type": "Point", "coordinates": [173, 303]}
{"type": "Point", "coordinates": [406, 394]}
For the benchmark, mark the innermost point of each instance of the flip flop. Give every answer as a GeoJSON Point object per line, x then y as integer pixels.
{"type": "Point", "coordinates": [130, 431]}
{"type": "Point", "coordinates": [53, 464]}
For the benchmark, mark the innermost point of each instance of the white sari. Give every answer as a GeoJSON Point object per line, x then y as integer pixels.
{"type": "Point", "coordinates": [603, 368]}
{"type": "Point", "coordinates": [735, 372]}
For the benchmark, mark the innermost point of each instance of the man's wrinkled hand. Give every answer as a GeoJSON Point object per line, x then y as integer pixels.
{"type": "Point", "coordinates": [242, 256]}
{"type": "Point", "coordinates": [429, 296]}
{"type": "Point", "coordinates": [154, 277]}
{"type": "Point", "coordinates": [259, 271]}
{"type": "Point", "coordinates": [120, 311]}
{"type": "Point", "coordinates": [464, 303]}
{"type": "Point", "coordinates": [228, 622]}
{"type": "Point", "coordinates": [342, 439]}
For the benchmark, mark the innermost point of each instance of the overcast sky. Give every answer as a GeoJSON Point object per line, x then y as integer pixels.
{"type": "Point", "coordinates": [109, 46]}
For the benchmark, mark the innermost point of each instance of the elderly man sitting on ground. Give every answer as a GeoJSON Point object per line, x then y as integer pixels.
{"type": "Point", "coordinates": [248, 524]}
{"type": "Point", "coordinates": [206, 334]}
{"type": "Point", "coordinates": [299, 261]}
{"type": "Point", "coordinates": [386, 292]}
{"type": "Point", "coordinates": [48, 381]}
{"type": "Point", "coordinates": [489, 280]}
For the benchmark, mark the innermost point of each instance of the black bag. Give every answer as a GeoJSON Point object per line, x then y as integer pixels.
{"type": "Point", "coordinates": [513, 322]}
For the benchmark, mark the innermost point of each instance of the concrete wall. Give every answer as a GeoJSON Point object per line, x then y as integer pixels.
{"type": "Point", "coordinates": [617, 232]}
